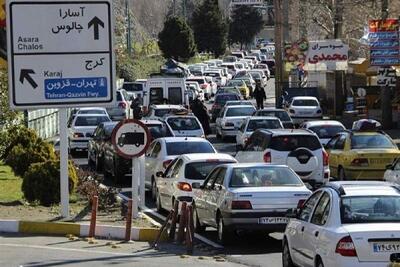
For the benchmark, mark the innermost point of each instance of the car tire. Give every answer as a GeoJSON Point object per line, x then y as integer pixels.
{"type": "Point", "coordinates": [286, 258]}
{"type": "Point", "coordinates": [225, 235]}
{"type": "Point", "coordinates": [158, 203]}
{"type": "Point", "coordinates": [153, 189]}
{"type": "Point", "coordinates": [198, 228]}
{"type": "Point", "coordinates": [341, 174]}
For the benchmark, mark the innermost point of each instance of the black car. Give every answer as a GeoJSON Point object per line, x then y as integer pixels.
{"type": "Point", "coordinates": [279, 113]}
{"type": "Point", "coordinates": [219, 103]}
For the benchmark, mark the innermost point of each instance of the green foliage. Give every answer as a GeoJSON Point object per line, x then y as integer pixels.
{"type": "Point", "coordinates": [209, 27]}
{"type": "Point", "coordinates": [23, 148]}
{"type": "Point", "coordinates": [176, 40]}
{"type": "Point", "coordinates": [7, 116]}
{"type": "Point", "coordinates": [244, 26]}
{"type": "Point", "coordinates": [42, 182]}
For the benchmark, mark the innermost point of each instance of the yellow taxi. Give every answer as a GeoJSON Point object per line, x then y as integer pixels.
{"type": "Point", "coordinates": [358, 155]}
{"type": "Point", "coordinates": [241, 85]}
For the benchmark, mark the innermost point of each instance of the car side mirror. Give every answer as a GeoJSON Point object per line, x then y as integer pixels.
{"type": "Point", "coordinates": [390, 167]}
{"type": "Point", "coordinates": [196, 185]}
{"type": "Point", "coordinates": [292, 213]}
{"type": "Point", "coordinates": [160, 174]}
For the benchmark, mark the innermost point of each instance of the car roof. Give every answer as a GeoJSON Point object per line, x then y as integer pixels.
{"type": "Point", "coordinates": [271, 109]}
{"type": "Point", "coordinates": [322, 123]}
{"type": "Point", "coordinates": [263, 118]}
{"type": "Point", "coordinates": [151, 121]}
{"type": "Point", "coordinates": [364, 188]}
{"type": "Point", "coordinates": [255, 164]}
{"type": "Point", "coordinates": [91, 108]}
{"type": "Point", "coordinates": [183, 139]}
{"type": "Point", "coordinates": [179, 116]}
{"type": "Point", "coordinates": [304, 97]}
{"type": "Point", "coordinates": [91, 115]}
{"type": "Point", "coordinates": [240, 106]}
{"type": "Point", "coordinates": [277, 132]}
{"type": "Point", "coordinates": [167, 106]}
{"type": "Point", "coordinates": [208, 156]}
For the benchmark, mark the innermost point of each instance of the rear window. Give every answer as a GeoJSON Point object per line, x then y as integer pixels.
{"type": "Point", "coordinates": [199, 81]}
{"type": "Point", "coordinates": [90, 121]}
{"type": "Point", "coordinates": [187, 147]}
{"type": "Point", "coordinates": [371, 141]}
{"type": "Point", "coordinates": [292, 142]}
{"type": "Point", "coordinates": [263, 124]}
{"type": "Point", "coordinates": [326, 131]}
{"type": "Point", "coordinates": [158, 131]}
{"type": "Point", "coordinates": [242, 111]}
{"type": "Point", "coordinates": [212, 74]}
{"type": "Point", "coordinates": [305, 103]}
{"type": "Point", "coordinates": [133, 87]}
{"type": "Point", "coordinates": [282, 115]}
{"type": "Point", "coordinates": [182, 124]}
{"type": "Point", "coordinates": [235, 83]}
{"type": "Point", "coordinates": [264, 177]}
{"type": "Point", "coordinates": [370, 209]}
{"type": "Point", "coordinates": [221, 99]}
{"type": "Point", "coordinates": [174, 95]}
{"type": "Point", "coordinates": [92, 111]}
{"type": "Point", "coordinates": [256, 75]}
{"type": "Point", "coordinates": [200, 170]}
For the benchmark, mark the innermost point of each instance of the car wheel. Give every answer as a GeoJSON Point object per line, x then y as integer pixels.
{"type": "Point", "coordinates": [153, 189]}
{"type": "Point", "coordinates": [342, 174]}
{"type": "Point", "coordinates": [158, 203]}
{"type": "Point", "coordinates": [225, 235]}
{"type": "Point", "coordinates": [198, 228]}
{"type": "Point", "coordinates": [286, 258]}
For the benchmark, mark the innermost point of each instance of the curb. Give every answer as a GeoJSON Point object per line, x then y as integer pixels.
{"type": "Point", "coordinates": [61, 228]}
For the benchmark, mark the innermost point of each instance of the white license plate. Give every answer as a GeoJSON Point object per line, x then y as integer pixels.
{"type": "Point", "coordinates": [273, 220]}
{"type": "Point", "coordinates": [386, 247]}
{"type": "Point", "coordinates": [304, 113]}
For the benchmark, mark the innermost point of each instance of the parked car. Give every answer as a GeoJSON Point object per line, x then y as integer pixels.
{"type": "Point", "coordinates": [185, 126]}
{"type": "Point", "coordinates": [231, 118]}
{"type": "Point", "coordinates": [279, 113]}
{"type": "Point", "coordinates": [358, 155]}
{"type": "Point", "coordinates": [252, 124]}
{"type": "Point", "coordinates": [219, 102]}
{"type": "Point", "coordinates": [241, 85]}
{"type": "Point", "coordinates": [162, 151]}
{"type": "Point", "coordinates": [159, 111]}
{"type": "Point", "coordinates": [122, 110]}
{"type": "Point", "coordinates": [300, 149]}
{"type": "Point", "coordinates": [324, 129]}
{"type": "Point", "coordinates": [249, 197]}
{"type": "Point", "coordinates": [176, 182]}
{"type": "Point", "coordinates": [304, 108]}
{"type": "Point", "coordinates": [81, 130]}
{"type": "Point", "coordinates": [345, 224]}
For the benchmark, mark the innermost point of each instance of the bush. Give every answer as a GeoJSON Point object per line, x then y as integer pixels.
{"type": "Point", "coordinates": [42, 182]}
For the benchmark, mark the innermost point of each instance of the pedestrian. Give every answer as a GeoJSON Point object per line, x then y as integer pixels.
{"type": "Point", "coordinates": [200, 111]}
{"type": "Point", "coordinates": [259, 95]}
{"type": "Point", "coordinates": [136, 108]}
{"type": "Point", "coordinates": [284, 99]}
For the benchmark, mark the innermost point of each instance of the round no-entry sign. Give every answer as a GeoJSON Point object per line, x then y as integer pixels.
{"type": "Point", "coordinates": [130, 138]}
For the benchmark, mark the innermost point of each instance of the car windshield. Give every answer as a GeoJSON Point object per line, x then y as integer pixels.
{"type": "Point", "coordinates": [371, 141]}
{"type": "Point", "coordinates": [239, 111]}
{"type": "Point", "coordinates": [222, 99]}
{"type": "Point", "coordinates": [235, 83]}
{"type": "Point", "coordinates": [200, 170]}
{"type": "Point", "coordinates": [282, 115]}
{"type": "Point", "coordinates": [158, 131]}
{"type": "Point", "coordinates": [305, 103]}
{"type": "Point", "coordinates": [370, 209]}
{"type": "Point", "coordinates": [183, 124]}
{"type": "Point", "coordinates": [263, 176]}
{"type": "Point", "coordinates": [90, 120]}
{"type": "Point", "coordinates": [238, 103]}
{"type": "Point", "coordinates": [292, 142]}
{"type": "Point", "coordinates": [92, 111]}
{"type": "Point", "coordinates": [256, 75]}
{"type": "Point", "coordinates": [188, 147]}
{"type": "Point", "coordinates": [199, 81]}
{"type": "Point", "coordinates": [327, 131]}
{"type": "Point", "coordinates": [263, 124]}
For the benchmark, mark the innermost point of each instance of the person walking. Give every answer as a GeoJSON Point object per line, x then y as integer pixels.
{"type": "Point", "coordinates": [259, 95]}
{"type": "Point", "coordinates": [200, 111]}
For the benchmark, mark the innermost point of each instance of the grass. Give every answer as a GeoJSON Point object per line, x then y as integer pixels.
{"type": "Point", "coordinates": [10, 185]}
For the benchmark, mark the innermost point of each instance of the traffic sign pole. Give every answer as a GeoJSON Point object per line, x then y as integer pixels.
{"type": "Point", "coordinates": [142, 181]}
{"type": "Point", "coordinates": [64, 190]}
{"type": "Point", "coordinates": [135, 186]}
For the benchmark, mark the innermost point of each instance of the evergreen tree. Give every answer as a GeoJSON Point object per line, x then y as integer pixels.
{"type": "Point", "coordinates": [246, 22]}
{"type": "Point", "coordinates": [210, 28]}
{"type": "Point", "coordinates": [176, 40]}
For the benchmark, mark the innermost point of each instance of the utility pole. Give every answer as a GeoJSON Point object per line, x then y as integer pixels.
{"type": "Point", "coordinates": [278, 50]}
{"type": "Point", "coordinates": [174, 9]}
{"type": "Point", "coordinates": [184, 11]}
{"type": "Point", "coordinates": [338, 97]}
{"type": "Point", "coordinates": [128, 32]}
{"type": "Point", "coordinates": [386, 102]}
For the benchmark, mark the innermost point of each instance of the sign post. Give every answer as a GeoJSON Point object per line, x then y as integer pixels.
{"type": "Point", "coordinates": [64, 61]}
{"type": "Point", "coordinates": [131, 138]}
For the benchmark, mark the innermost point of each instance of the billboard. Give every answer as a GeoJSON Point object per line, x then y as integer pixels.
{"type": "Point", "coordinates": [327, 55]}
{"type": "Point", "coordinates": [384, 41]}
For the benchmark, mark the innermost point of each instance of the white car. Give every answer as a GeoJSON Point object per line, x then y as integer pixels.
{"type": "Point", "coordinates": [231, 118]}
{"type": "Point", "coordinates": [163, 150]}
{"type": "Point", "coordinates": [197, 90]}
{"type": "Point", "coordinates": [81, 130]}
{"type": "Point", "coordinates": [216, 76]}
{"type": "Point", "coordinates": [252, 124]}
{"type": "Point", "coordinates": [299, 149]}
{"type": "Point", "coordinates": [185, 126]}
{"type": "Point", "coordinates": [122, 110]}
{"type": "Point", "coordinates": [345, 224]}
{"type": "Point", "coordinates": [304, 108]}
{"type": "Point", "coordinates": [159, 111]}
{"type": "Point", "coordinates": [203, 83]}
{"type": "Point", "coordinates": [176, 182]}
{"type": "Point", "coordinates": [392, 173]}
{"type": "Point", "coordinates": [324, 129]}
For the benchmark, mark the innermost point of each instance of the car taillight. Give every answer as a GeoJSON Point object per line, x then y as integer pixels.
{"type": "Point", "coordinates": [325, 158]}
{"type": "Point", "coordinates": [346, 248]}
{"type": "Point", "coordinates": [229, 124]}
{"type": "Point", "coordinates": [300, 203]}
{"type": "Point", "coordinates": [184, 186]}
{"type": "Point", "coordinates": [166, 163]}
{"type": "Point", "coordinates": [267, 157]}
{"type": "Point", "coordinates": [76, 135]}
{"type": "Point", "coordinates": [292, 111]}
{"type": "Point", "coordinates": [203, 86]}
{"type": "Point", "coordinates": [360, 162]}
{"type": "Point", "coordinates": [122, 105]}
{"type": "Point", "coordinates": [241, 205]}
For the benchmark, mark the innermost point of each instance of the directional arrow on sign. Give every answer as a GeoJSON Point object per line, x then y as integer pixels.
{"type": "Point", "coordinates": [26, 74]}
{"type": "Point", "coordinates": [96, 22]}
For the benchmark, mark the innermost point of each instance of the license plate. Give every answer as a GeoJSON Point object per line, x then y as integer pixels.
{"type": "Point", "coordinates": [273, 220]}
{"type": "Point", "coordinates": [386, 247]}
{"type": "Point", "coordinates": [380, 161]}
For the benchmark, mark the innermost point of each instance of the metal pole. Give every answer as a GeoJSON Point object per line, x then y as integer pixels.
{"type": "Point", "coordinates": [128, 32]}
{"type": "Point", "coordinates": [135, 185]}
{"type": "Point", "coordinates": [278, 50]}
{"type": "Point", "coordinates": [142, 188]}
{"type": "Point", "coordinates": [64, 190]}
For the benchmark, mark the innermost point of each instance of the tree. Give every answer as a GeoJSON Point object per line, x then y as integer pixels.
{"type": "Point", "coordinates": [210, 29]}
{"type": "Point", "coordinates": [245, 24]}
{"type": "Point", "coordinates": [176, 39]}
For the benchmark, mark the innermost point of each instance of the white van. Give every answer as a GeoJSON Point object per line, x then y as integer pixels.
{"type": "Point", "coordinates": [165, 91]}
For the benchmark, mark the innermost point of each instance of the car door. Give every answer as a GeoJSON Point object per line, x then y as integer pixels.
{"type": "Point", "coordinates": [204, 211]}
{"type": "Point", "coordinates": [335, 148]}
{"type": "Point", "coordinates": [149, 161]}
{"type": "Point", "coordinates": [153, 160]}
{"type": "Point", "coordinates": [297, 227]}
{"type": "Point", "coordinates": [162, 184]}
{"type": "Point", "coordinates": [254, 149]}
{"type": "Point", "coordinates": [214, 195]}
{"type": "Point", "coordinates": [240, 135]}
{"type": "Point", "coordinates": [315, 238]}
{"type": "Point", "coordinates": [170, 183]}
{"type": "Point", "coordinates": [218, 121]}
